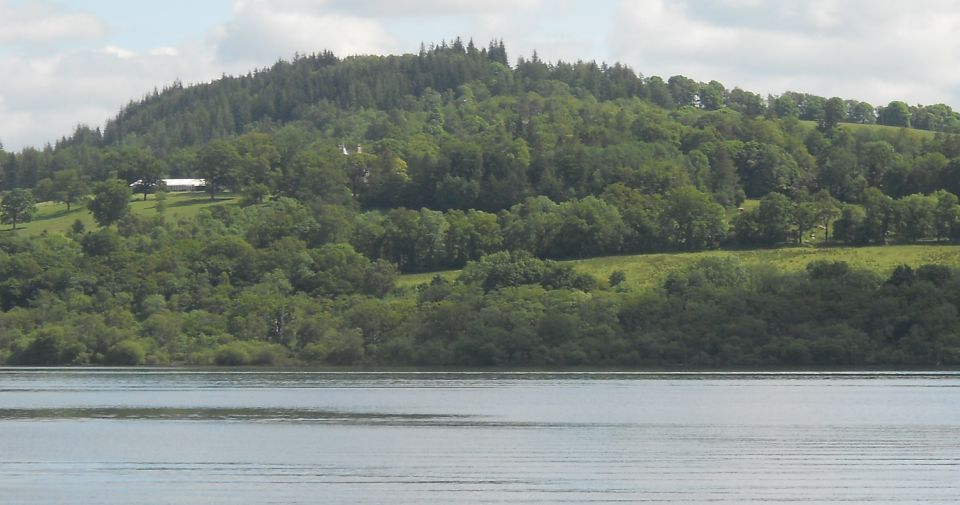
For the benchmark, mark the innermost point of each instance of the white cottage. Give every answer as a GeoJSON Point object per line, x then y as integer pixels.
{"type": "Point", "coordinates": [179, 185]}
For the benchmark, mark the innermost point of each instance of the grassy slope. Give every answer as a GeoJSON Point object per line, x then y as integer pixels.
{"type": "Point", "coordinates": [643, 271]}
{"type": "Point", "coordinates": [53, 217]}
{"type": "Point", "coordinates": [887, 131]}
{"type": "Point", "coordinates": [649, 270]}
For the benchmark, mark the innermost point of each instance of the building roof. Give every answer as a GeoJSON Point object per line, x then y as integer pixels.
{"type": "Point", "coordinates": [176, 182]}
{"type": "Point", "coordinates": [184, 182]}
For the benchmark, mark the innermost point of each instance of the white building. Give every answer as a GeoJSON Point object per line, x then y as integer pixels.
{"type": "Point", "coordinates": [180, 185]}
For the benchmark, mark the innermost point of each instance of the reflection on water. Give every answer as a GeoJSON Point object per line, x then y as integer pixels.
{"type": "Point", "coordinates": [221, 414]}
{"type": "Point", "coordinates": [197, 437]}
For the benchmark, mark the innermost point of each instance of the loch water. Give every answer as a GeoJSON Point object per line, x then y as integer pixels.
{"type": "Point", "coordinates": [180, 436]}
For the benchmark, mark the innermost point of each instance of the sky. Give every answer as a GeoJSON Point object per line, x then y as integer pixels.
{"type": "Point", "coordinates": [64, 62]}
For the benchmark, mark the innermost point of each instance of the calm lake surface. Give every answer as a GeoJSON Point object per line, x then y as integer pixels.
{"type": "Point", "coordinates": [145, 436]}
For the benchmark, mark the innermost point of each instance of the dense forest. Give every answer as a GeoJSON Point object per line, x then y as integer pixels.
{"type": "Point", "coordinates": [353, 170]}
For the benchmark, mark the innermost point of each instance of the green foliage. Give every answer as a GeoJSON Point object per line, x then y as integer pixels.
{"type": "Point", "coordinates": [110, 202]}
{"type": "Point", "coordinates": [617, 277]}
{"type": "Point", "coordinates": [254, 193]}
{"type": "Point", "coordinates": [70, 186]}
{"type": "Point", "coordinates": [508, 269]}
{"type": "Point", "coordinates": [914, 215]}
{"type": "Point", "coordinates": [234, 354]}
{"type": "Point", "coordinates": [766, 168]}
{"type": "Point", "coordinates": [137, 167]}
{"type": "Point", "coordinates": [126, 352]}
{"type": "Point", "coordinates": [647, 271]}
{"type": "Point", "coordinates": [339, 349]}
{"type": "Point", "coordinates": [17, 206]}
{"type": "Point", "coordinates": [773, 217]}
{"type": "Point", "coordinates": [52, 345]}
{"type": "Point", "coordinates": [239, 353]}
{"type": "Point", "coordinates": [217, 163]}
{"type": "Point", "coordinates": [897, 113]}
{"type": "Point", "coordinates": [451, 158]}
{"type": "Point", "coordinates": [103, 242]}
{"type": "Point", "coordinates": [834, 111]}
{"type": "Point", "coordinates": [691, 220]}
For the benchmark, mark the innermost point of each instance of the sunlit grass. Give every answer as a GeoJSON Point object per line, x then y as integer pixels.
{"type": "Point", "coordinates": [884, 130]}
{"type": "Point", "coordinates": [53, 217]}
{"type": "Point", "coordinates": [646, 271]}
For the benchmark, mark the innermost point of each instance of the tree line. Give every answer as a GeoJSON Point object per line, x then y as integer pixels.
{"type": "Point", "coordinates": [878, 220]}
{"type": "Point", "coordinates": [461, 152]}
{"type": "Point", "coordinates": [350, 171]}
{"type": "Point", "coordinates": [192, 293]}
{"type": "Point", "coordinates": [460, 111]}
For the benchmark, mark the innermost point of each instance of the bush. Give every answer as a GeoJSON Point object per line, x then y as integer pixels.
{"type": "Point", "coordinates": [101, 243]}
{"type": "Point", "coordinates": [126, 352]}
{"type": "Point", "coordinates": [254, 194]}
{"type": "Point", "coordinates": [232, 354]}
{"type": "Point", "coordinates": [617, 277]}
{"type": "Point", "coordinates": [265, 354]}
{"type": "Point", "coordinates": [241, 353]}
{"type": "Point", "coordinates": [510, 269]}
{"type": "Point", "coordinates": [340, 349]}
{"type": "Point", "coordinates": [313, 352]}
{"type": "Point", "coordinates": [52, 346]}
{"type": "Point", "coordinates": [822, 269]}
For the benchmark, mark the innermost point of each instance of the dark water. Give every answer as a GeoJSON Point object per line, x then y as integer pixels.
{"type": "Point", "coordinates": [196, 437]}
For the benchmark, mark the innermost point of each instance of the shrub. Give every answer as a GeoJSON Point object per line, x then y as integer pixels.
{"type": "Point", "coordinates": [232, 354]}
{"type": "Point", "coordinates": [339, 349]}
{"type": "Point", "coordinates": [617, 277]}
{"type": "Point", "coordinates": [126, 352]}
{"type": "Point", "coordinates": [264, 354]}
{"type": "Point", "coordinates": [52, 346]}
{"type": "Point", "coordinates": [241, 353]}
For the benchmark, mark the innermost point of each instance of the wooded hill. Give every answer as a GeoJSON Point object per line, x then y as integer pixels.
{"type": "Point", "coordinates": [349, 170]}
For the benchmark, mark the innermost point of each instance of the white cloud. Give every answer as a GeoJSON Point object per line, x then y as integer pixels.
{"type": "Point", "coordinates": [35, 22]}
{"type": "Point", "coordinates": [823, 14]}
{"type": "Point", "coordinates": [428, 8]}
{"type": "Point", "coordinates": [390, 8]}
{"type": "Point", "coordinates": [877, 50]}
{"type": "Point", "coordinates": [62, 66]}
{"type": "Point", "coordinates": [50, 89]}
{"type": "Point", "coordinates": [165, 51]}
{"type": "Point", "coordinates": [119, 52]}
{"type": "Point", "coordinates": [742, 3]}
{"type": "Point", "coordinates": [45, 97]}
{"type": "Point", "coordinates": [262, 32]}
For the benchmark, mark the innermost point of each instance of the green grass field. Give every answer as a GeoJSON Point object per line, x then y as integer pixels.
{"type": "Point", "coordinates": [649, 270]}
{"type": "Point", "coordinates": [52, 217]}
{"type": "Point", "coordinates": [887, 131]}
{"type": "Point", "coordinates": [747, 206]}
{"type": "Point", "coordinates": [643, 271]}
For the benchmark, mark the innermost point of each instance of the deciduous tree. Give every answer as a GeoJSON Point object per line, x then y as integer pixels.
{"type": "Point", "coordinates": [110, 202]}
{"type": "Point", "coordinates": [217, 164]}
{"type": "Point", "coordinates": [17, 206]}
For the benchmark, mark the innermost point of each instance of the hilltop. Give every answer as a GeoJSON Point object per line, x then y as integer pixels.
{"type": "Point", "coordinates": [589, 212]}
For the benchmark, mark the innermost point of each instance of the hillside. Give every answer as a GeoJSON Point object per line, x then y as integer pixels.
{"type": "Point", "coordinates": [563, 193]}
{"type": "Point", "coordinates": [649, 271]}
{"type": "Point", "coordinates": [878, 130]}
{"type": "Point", "coordinates": [53, 217]}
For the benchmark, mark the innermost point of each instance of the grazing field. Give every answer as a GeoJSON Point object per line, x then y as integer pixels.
{"type": "Point", "coordinates": [649, 270]}
{"type": "Point", "coordinates": [888, 131]}
{"type": "Point", "coordinates": [53, 217]}
{"type": "Point", "coordinates": [643, 271]}
{"type": "Point", "coordinates": [747, 206]}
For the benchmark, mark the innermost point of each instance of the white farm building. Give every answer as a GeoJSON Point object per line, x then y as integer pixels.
{"type": "Point", "coordinates": [177, 185]}
{"type": "Point", "coordinates": [180, 185]}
